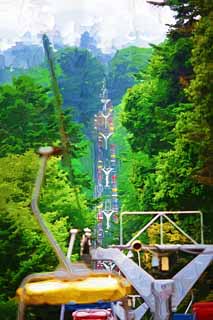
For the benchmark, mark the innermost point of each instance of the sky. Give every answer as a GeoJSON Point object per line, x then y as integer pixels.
{"type": "Point", "coordinates": [114, 23]}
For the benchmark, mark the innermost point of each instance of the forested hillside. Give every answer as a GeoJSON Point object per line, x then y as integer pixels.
{"type": "Point", "coordinates": [81, 82]}
{"type": "Point", "coordinates": [169, 120]}
{"type": "Point", "coordinates": [122, 70]}
{"type": "Point", "coordinates": [163, 120]}
{"type": "Point", "coordinates": [166, 143]}
{"type": "Point", "coordinates": [81, 76]}
{"type": "Point", "coordinates": [29, 120]}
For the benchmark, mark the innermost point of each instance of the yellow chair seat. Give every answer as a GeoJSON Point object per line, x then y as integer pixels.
{"type": "Point", "coordinates": [94, 288]}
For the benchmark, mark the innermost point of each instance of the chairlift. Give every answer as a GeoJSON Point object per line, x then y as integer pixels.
{"type": "Point", "coordinates": [69, 284]}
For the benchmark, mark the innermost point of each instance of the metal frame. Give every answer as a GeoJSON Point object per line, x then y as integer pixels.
{"type": "Point", "coordinates": [161, 215]}
{"type": "Point", "coordinates": [161, 296]}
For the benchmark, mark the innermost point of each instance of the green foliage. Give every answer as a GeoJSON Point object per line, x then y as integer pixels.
{"type": "Point", "coordinates": [123, 68]}
{"type": "Point", "coordinates": [151, 107]}
{"type": "Point", "coordinates": [23, 247]}
{"type": "Point", "coordinates": [186, 170]}
{"type": "Point", "coordinates": [40, 75]}
{"type": "Point", "coordinates": [80, 82]}
{"type": "Point", "coordinates": [8, 309]}
{"type": "Point", "coordinates": [168, 117]}
{"type": "Point", "coordinates": [164, 143]}
{"type": "Point", "coordinates": [200, 94]}
{"type": "Point", "coordinates": [171, 235]}
{"type": "Point", "coordinates": [58, 188]}
{"type": "Point", "coordinates": [127, 194]}
{"type": "Point", "coordinates": [27, 116]}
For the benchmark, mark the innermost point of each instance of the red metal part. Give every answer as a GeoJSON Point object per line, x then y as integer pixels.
{"type": "Point", "coordinates": [203, 310]}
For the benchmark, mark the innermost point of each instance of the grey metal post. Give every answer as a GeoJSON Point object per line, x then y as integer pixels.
{"type": "Point", "coordinates": [162, 291]}
{"type": "Point", "coordinates": [139, 259]}
{"type": "Point", "coordinates": [73, 233]}
{"type": "Point", "coordinates": [201, 227]}
{"type": "Point", "coordinates": [161, 229]}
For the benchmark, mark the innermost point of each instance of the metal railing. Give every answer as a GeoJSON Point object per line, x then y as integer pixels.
{"type": "Point", "coordinates": [162, 216]}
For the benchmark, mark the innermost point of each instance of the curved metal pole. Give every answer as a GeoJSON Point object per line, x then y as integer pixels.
{"type": "Point", "coordinates": [64, 262]}
{"type": "Point", "coordinates": [190, 303]}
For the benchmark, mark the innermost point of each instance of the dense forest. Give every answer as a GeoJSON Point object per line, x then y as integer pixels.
{"type": "Point", "coordinates": [162, 98]}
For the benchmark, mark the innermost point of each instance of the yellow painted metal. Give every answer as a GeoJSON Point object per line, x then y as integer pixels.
{"type": "Point", "coordinates": [94, 288]}
{"type": "Point", "coordinates": [165, 263]}
{"type": "Point", "coordinates": [137, 245]}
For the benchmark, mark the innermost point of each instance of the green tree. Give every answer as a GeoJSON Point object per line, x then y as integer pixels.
{"type": "Point", "coordinates": [80, 82]}
{"type": "Point", "coordinates": [122, 69]}
{"type": "Point", "coordinates": [126, 189]}
{"type": "Point", "coordinates": [27, 116]}
{"type": "Point", "coordinates": [200, 94]}
{"type": "Point", "coordinates": [169, 117]}
{"type": "Point", "coordinates": [24, 249]}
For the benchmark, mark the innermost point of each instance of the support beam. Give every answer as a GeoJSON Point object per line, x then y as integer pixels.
{"type": "Point", "coordinates": [140, 311]}
{"type": "Point", "coordinates": [161, 296]}
{"type": "Point", "coordinates": [138, 277]}
{"type": "Point", "coordinates": [187, 277]}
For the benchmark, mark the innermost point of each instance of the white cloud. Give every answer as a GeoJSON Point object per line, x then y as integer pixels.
{"type": "Point", "coordinates": [114, 22]}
